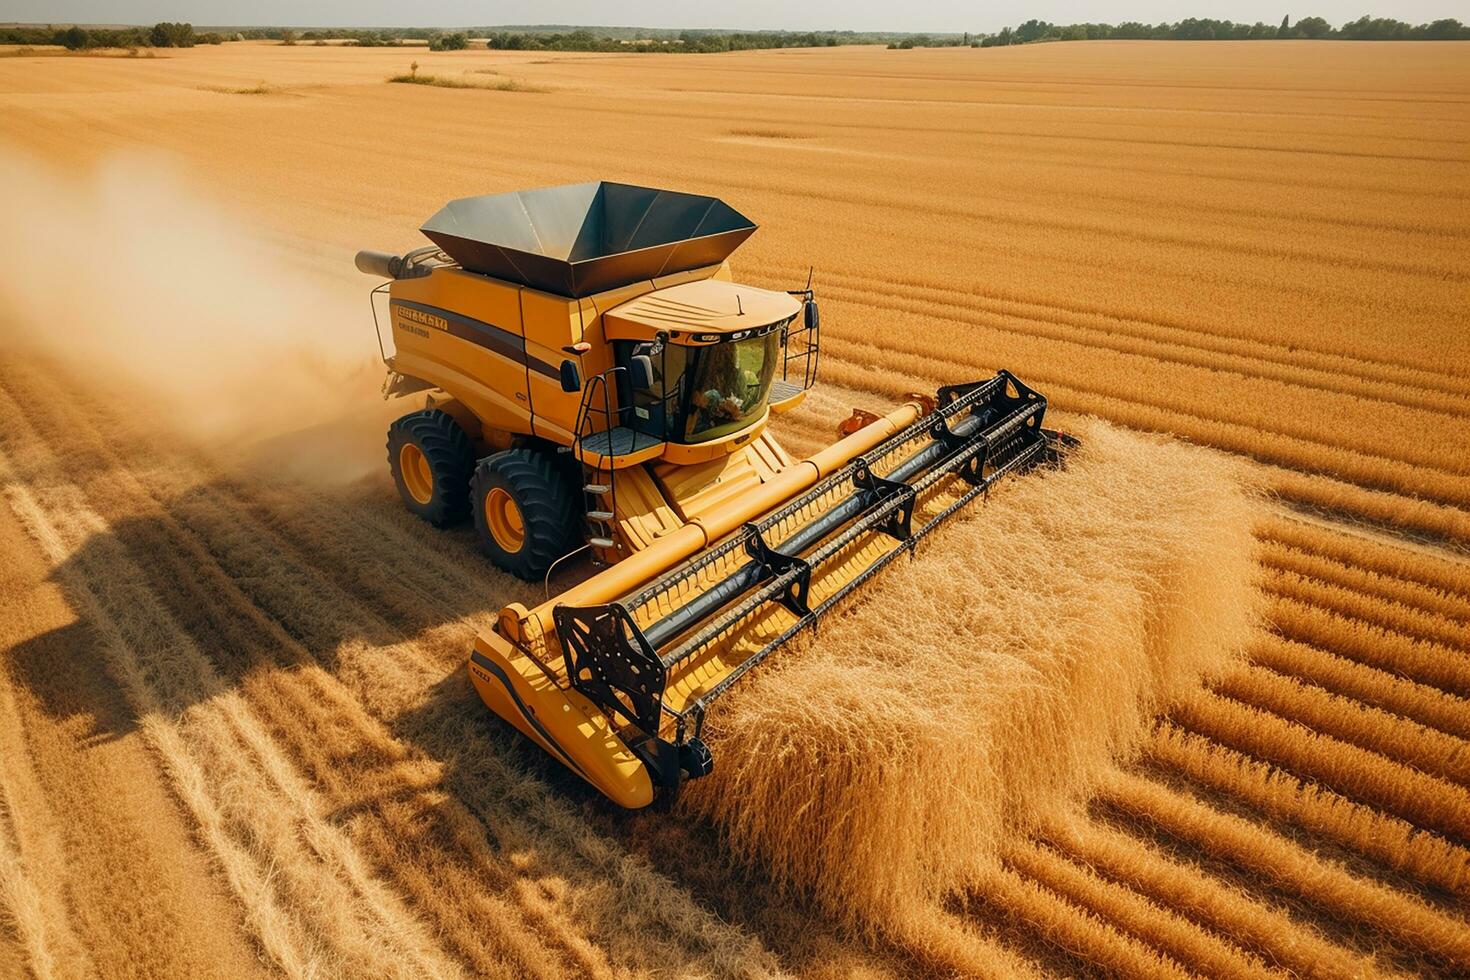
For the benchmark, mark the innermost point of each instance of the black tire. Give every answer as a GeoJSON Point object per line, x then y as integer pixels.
{"type": "Point", "coordinates": [545, 504]}
{"type": "Point", "coordinates": [448, 460]}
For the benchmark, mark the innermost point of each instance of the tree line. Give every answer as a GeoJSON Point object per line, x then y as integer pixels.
{"type": "Point", "coordinates": [74, 38]}
{"type": "Point", "coordinates": [650, 40]}
{"type": "Point", "coordinates": [1205, 29]}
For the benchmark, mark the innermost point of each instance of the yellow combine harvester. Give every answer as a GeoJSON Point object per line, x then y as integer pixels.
{"type": "Point", "coordinates": [594, 380]}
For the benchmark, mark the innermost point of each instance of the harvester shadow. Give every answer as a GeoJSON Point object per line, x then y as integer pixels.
{"type": "Point", "coordinates": [62, 671]}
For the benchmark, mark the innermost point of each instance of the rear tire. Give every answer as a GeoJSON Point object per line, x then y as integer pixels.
{"type": "Point", "coordinates": [525, 511]}
{"type": "Point", "coordinates": [431, 459]}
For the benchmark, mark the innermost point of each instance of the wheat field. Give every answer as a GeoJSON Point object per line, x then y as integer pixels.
{"type": "Point", "coordinates": [237, 736]}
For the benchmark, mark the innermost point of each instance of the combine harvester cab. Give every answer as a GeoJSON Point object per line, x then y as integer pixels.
{"type": "Point", "coordinates": [720, 547]}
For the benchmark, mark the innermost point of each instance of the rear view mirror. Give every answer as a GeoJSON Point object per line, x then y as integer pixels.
{"type": "Point", "coordinates": [640, 370]}
{"type": "Point", "coordinates": [571, 376]}
{"type": "Point", "coordinates": [811, 316]}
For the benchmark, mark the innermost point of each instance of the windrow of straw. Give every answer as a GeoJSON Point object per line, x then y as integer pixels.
{"type": "Point", "coordinates": [992, 680]}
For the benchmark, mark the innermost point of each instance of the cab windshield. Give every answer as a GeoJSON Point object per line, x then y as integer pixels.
{"type": "Point", "coordinates": [728, 384]}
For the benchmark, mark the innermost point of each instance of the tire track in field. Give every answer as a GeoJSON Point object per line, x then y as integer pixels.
{"type": "Point", "coordinates": [124, 860]}
{"type": "Point", "coordinates": [38, 921]}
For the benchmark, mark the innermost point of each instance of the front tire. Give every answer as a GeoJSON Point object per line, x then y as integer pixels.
{"type": "Point", "coordinates": [431, 458]}
{"type": "Point", "coordinates": [525, 512]}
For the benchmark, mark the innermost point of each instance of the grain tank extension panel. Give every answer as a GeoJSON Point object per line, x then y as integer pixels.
{"type": "Point", "coordinates": [582, 239]}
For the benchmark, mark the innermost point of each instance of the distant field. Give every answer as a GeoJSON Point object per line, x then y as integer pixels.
{"type": "Point", "coordinates": [236, 733]}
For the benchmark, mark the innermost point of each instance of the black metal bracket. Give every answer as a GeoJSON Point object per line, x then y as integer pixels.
{"type": "Point", "coordinates": [778, 564]}
{"type": "Point", "coordinates": [899, 524]}
{"type": "Point", "coordinates": [972, 470]}
{"type": "Point", "coordinates": [612, 663]}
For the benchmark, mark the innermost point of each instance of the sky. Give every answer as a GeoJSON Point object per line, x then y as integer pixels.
{"type": "Point", "coordinates": [858, 15]}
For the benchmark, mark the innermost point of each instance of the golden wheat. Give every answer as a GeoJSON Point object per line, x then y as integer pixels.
{"type": "Point", "coordinates": [1072, 928]}
{"type": "Point", "coordinates": [1352, 603]}
{"type": "Point", "coordinates": [313, 786]}
{"type": "Point", "coordinates": [1058, 647]}
{"type": "Point", "coordinates": [1419, 660]}
{"type": "Point", "coordinates": [1443, 585]}
{"type": "Point", "coordinates": [1358, 773]}
{"type": "Point", "coordinates": [1190, 890]}
{"type": "Point", "coordinates": [1369, 685]}
{"type": "Point", "coordinates": [1390, 840]}
{"type": "Point", "coordinates": [1412, 922]}
{"type": "Point", "coordinates": [1359, 579]}
{"type": "Point", "coordinates": [1185, 942]}
{"type": "Point", "coordinates": [1400, 739]}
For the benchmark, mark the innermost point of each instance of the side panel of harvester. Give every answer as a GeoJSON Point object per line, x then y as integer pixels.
{"type": "Point", "coordinates": [480, 359]}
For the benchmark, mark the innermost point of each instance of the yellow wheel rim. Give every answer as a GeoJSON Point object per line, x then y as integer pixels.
{"type": "Point", "coordinates": [418, 479]}
{"type": "Point", "coordinates": [503, 518]}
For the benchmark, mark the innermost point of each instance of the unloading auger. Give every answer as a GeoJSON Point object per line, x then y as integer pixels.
{"type": "Point", "coordinates": [649, 443]}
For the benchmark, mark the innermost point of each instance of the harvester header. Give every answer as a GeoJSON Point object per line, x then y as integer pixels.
{"type": "Point", "coordinates": [594, 382]}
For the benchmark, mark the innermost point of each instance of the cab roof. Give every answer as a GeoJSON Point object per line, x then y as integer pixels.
{"type": "Point", "coordinates": [701, 306]}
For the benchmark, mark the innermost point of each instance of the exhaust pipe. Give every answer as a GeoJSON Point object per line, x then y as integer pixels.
{"type": "Point", "coordinates": [382, 264]}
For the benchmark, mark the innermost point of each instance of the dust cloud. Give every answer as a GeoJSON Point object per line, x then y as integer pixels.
{"type": "Point", "coordinates": [145, 286]}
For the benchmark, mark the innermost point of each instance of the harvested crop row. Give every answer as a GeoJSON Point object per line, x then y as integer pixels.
{"type": "Point", "coordinates": [1071, 928]}
{"type": "Point", "coordinates": [1153, 924]}
{"type": "Point", "coordinates": [1416, 928]}
{"type": "Point", "coordinates": [1192, 891]}
{"type": "Point", "coordinates": [1104, 327]}
{"type": "Point", "coordinates": [1391, 841]}
{"type": "Point", "coordinates": [1350, 602]}
{"type": "Point", "coordinates": [1183, 350]}
{"type": "Point", "coordinates": [1454, 611]}
{"type": "Point", "coordinates": [1335, 497]}
{"type": "Point", "coordinates": [1418, 660]}
{"type": "Point", "coordinates": [1368, 685]}
{"type": "Point", "coordinates": [1400, 739]}
{"type": "Point", "coordinates": [1444, 582]}
{"type": "Point", "coordinates": [913, 370]}
{"type": "Point", "coordinates": [1358, 773]}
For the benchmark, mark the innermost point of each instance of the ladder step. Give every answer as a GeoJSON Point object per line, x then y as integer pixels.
{"type": "Point", "coordinates": [601, 542]}
{"type": "Point", "coordinates": [597, 488]}
{"type": "Point", "coordinates": [599, 515]}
